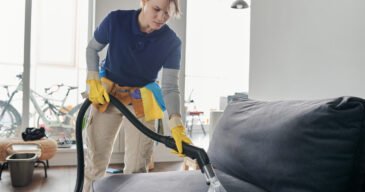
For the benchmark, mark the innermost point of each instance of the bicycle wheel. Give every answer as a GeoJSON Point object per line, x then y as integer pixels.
{"type": "Point", "coordinates": [71, 116]}
{"type": "Point", "coordinates": [49, 114]}
{"type": "Point", "coordinates": [10, 121]}
{"type": "Point", "coordinates": [70, 120]}
{"type": "Point", "coordinates": [56, 126]}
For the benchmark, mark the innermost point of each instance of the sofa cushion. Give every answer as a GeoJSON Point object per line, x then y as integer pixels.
{"type": "Point", "coordinates": [174, 181]}
{"type": "Point", "coordinates": [302, 146]}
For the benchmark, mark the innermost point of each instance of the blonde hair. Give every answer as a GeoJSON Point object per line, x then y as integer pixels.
{"type": "Point", "coordinates": [175, 8]}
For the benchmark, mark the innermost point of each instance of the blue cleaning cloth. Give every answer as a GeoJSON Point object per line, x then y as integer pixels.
{"type": "Point", "coordinates": [156, 90]}
{"type": "Point", "coordinates": [102, 72]}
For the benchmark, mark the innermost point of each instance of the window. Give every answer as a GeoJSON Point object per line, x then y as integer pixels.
{"type": "Point", "coordinates": [12, 15]}
{"type": "Point", "coordinates": [54, 32]}
{"type": "Point", "coordinates": [58, 41]}
{"type": "Point", "coordinates": [12, 33]}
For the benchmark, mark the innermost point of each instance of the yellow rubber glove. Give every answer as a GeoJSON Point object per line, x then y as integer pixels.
{"type": "Point", "coordinates": [97, 93]}
{"type": "Point", "coordinates": [107, 84]}
{"type": "Point", "coordinates": [178, 133]}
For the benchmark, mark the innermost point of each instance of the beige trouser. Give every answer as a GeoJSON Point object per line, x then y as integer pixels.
{"type": "Point", "coordinates": [102, 130]}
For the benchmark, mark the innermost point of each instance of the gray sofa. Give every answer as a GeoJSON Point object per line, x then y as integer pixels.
{"type": "Point", "coordinates": [281, 146]}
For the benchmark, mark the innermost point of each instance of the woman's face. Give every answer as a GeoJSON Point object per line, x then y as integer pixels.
{"type": "Point", "coordinates": [156, 13]}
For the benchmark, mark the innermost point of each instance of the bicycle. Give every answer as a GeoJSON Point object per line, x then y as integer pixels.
{"type": "Point", "coordinates": [50, 115]}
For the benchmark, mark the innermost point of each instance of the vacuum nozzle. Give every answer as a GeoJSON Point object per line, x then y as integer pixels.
{"type": "Point", "coordinates": [212, 180]}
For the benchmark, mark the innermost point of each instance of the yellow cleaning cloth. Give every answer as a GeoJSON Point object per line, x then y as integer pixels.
{"type": "Point", "coordinates": [151, 108]}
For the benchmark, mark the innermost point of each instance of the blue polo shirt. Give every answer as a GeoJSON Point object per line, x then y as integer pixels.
{"type": "Point", "coordinates": [134, 58]}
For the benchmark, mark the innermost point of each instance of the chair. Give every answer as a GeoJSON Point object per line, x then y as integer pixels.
{"type": "Point", "coordinates": [194, 115]}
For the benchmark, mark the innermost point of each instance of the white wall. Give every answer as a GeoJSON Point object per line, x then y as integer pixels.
{"type": "Point", "coordinates": [307, 49]}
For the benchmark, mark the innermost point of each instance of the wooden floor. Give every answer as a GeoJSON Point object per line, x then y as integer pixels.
{"type": "Point", "coordinates": [63, 179]}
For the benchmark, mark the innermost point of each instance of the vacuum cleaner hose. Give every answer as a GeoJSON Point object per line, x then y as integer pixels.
{"type": "Point", "coordinates": [191, 151]}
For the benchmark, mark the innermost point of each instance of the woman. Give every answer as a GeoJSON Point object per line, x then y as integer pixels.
{"type": "Point", "coordinates": [140, 45]}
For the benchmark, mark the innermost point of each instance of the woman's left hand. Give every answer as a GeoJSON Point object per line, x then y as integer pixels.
{"type": "Point", "coordinates": [178, 133]}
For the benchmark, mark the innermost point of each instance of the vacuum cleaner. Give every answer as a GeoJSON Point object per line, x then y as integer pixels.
{"type": "Point", "coordinates": [189, 150]}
